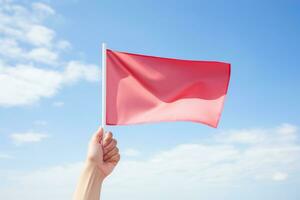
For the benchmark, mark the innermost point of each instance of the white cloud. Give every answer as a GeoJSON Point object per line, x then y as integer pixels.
{"type": "Point", "coordinates": [24, 25]}
{"type": "Point", "coordinates": [26, 84]}
{"type": "Point", "coordinates": [244, 137]}
{"type": "Point", "coordinates": [76, 70]}
{"type": "Point", "coordinates": [284, 134]}
{"type": "Point", "coordinates": [131, 152]}
{"type": "Point", "coordinates": [43, 8]}
{"type": "Point", "coordinates": [27, 137]}
{"type": "Point", "coordinates": [5, 156]}
{"type": "Point", "coordinates": [40, 35]}
{"type": "Point", "coordinates": [43, 55]}
{"type": "Point", "coordinates": [196, 170]}
{"type": "Point", "coordinates": [279, 176]}
{"type": "Point", "coordinates": [21, 25]}
{"type": "Point", "coordinates": [63, 45]}
{"type": "Point", "coordinates": [10, 48]}
{"type": "Point", "coordinates": [58, 104]}
{"type": "Point", "coordinates": [50, 183]}
{"type": "Point", "coordinates": [31, 47]}
{"type": "Point", "coordinates": [287, 129]}
{"type": "Point", "coordinates": [23, 85]}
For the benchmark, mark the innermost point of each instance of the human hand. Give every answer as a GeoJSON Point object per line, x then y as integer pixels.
{"type": "Point", "coordinates": [103, 152]}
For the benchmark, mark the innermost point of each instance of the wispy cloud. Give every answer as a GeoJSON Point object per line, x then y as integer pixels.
{"type": "Point", "coordinates": [43, 55]}
{"type": "Point", "coordinates": [58, 104]}
{"type": "Point", "coordinates": [27, 137]}
{"type": "Point", "coordinates": [285, 133]}
{"type": "Point", "coordinates": [43, 8]}
{"type": "Point", "coordinates": [130, 152]}
{"type": "Point", "coordinates": [5, 156]}
{"type": "Point", "coordinates": [279, 176]}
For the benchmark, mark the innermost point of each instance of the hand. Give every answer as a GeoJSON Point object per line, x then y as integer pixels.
{"type": "Point", "coordinates": [103, 152]}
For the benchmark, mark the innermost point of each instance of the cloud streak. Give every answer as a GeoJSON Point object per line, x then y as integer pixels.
{"type": "Point", "coordinates": [27, 137]}
{"type": "Point", "coordinates": [5, 156]}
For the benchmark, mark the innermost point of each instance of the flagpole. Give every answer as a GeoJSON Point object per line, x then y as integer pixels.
{"type": "Point", "coordinates": [103, 114]}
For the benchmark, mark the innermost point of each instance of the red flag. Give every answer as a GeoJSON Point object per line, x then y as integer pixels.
{"type": "Point", "coordinates": [142, 89]}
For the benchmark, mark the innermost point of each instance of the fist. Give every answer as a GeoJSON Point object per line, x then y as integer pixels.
{"type": "Point", "coordinates": [103, 152]}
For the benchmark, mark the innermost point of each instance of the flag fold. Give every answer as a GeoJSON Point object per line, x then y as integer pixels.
{"type": "Point", "coordinates": [143, 89]}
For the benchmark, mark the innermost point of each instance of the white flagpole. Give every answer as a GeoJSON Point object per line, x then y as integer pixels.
{"type": "Point", "coordinates": [103, 124]}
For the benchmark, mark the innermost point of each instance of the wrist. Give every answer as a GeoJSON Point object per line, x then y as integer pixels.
{"type": "Point", "coordinates": [94, 171]}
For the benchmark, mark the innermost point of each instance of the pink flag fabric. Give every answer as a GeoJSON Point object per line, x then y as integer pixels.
{"type": "Point", "coordinates": [143, 89]}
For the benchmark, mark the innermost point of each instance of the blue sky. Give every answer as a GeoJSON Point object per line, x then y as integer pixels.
{"type": "Point", "coordinates": [50, 52]}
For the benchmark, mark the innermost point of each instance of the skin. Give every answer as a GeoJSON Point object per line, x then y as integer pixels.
{"type": "Point", "coordinates": [103, 156]}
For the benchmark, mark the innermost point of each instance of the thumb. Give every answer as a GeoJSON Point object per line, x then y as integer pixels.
{"type": "Point", "coordinates": [97, 137]}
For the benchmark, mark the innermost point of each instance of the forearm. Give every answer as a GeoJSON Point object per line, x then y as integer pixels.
{"type": "Point", "coordinates": [90, 182]}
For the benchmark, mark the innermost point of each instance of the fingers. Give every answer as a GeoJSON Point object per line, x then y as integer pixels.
{"type": "Point", "coordinates": [111, 153]}
{"type": "Point", "coordinates": [97, 137]}
{"type": "Point", "coordinates": [107, 138]}
{"type": "Point", "coordinates": [114, 159]}
{"type": "Point", "coordinates": [110, 149]}
{"type": "Point", "coordinates": [111, 145]}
